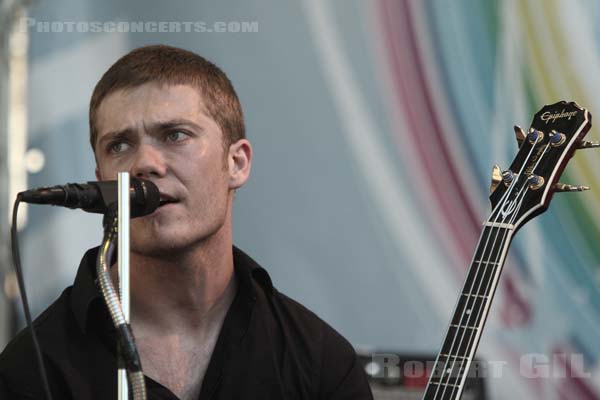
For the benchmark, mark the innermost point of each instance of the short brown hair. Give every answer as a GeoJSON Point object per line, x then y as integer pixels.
{"type": "Point", "coordinates": [174, 66]}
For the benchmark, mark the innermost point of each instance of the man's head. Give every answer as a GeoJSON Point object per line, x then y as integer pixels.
{"type": "Point", "coordinates": [171, 117]}
{"type": "Point", "coordinates": [173, 66]}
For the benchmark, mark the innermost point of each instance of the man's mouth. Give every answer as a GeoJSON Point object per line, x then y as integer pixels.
{"type": "Point", "coordinates": [167, 199]}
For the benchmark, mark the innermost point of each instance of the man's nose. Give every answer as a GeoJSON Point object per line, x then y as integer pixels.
{"type": "Point", "coordinates": [148, 162]}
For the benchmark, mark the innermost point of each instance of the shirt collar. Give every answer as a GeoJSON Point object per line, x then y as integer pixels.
{"type": "Point", "coordinates": [247, 271]}
{"type": "Point", "coordinates": [85, 290]}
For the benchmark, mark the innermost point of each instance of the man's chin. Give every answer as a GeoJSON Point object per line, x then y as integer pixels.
{"type": "Point", "coordinates": [160, 249]}
{"type": "Point", "coordinates": [169, 240]}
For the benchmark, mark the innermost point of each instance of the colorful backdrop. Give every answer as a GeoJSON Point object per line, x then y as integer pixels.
{"type": "Point", "coordinates": [375, 127]}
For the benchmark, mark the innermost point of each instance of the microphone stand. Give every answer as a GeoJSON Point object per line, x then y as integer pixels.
{"type": "Point", "coordinates": [116, 226]}
{"type": "Point", "coordinates": [123, 264]}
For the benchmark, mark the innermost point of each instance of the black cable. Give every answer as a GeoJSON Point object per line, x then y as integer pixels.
{"type": "Point", "coordinates": [17, 263]}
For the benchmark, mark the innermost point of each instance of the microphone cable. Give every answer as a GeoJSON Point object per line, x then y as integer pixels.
{"type": "Point", "coordinates": [19, 272]}
{"type": "Point", "coordinates": [97, 197]}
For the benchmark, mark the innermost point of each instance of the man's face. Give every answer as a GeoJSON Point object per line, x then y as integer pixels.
{"type": "Point", "coordinates": [161, 133]}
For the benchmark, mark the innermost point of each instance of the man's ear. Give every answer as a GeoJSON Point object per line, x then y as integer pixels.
{"type": "Point", "coordinates": [239, 163]}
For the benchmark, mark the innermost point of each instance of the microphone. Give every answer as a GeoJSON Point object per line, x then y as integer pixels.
{"type": "Point", "coordinates": [96, 197]}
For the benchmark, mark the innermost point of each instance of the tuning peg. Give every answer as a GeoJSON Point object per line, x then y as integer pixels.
{"type": "Point", "coordinates": [557, 138]}
{"type": "Point", "coordinates": [535, 181]}
{"type": "Point", "coordinates": [520, 134]}
{"type": "Point", "coordinates": [584, 144]}
{"type": "Point", "coordinates": [563, 187]}
{"type": "Point", "coordinates": [496, 177]}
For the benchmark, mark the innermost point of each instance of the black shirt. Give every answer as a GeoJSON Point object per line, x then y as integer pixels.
{"type": "Point", "coordinates": [270, 347]}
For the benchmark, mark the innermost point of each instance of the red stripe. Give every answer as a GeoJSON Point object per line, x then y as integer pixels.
{"type": "Point", "coordinates": [426, 132]}
{"type": "Point", "coordinates": [425, 135]}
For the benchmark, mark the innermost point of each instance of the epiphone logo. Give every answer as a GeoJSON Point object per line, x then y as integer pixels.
{"type": "Point", "coordinates": [548, 116]}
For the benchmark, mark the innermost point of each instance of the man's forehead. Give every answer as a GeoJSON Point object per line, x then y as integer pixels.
{"type": "Point", "coordinates": [150, 102]}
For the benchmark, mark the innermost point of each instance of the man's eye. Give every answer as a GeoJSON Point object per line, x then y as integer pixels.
{"type": "Point", "coordinates": [176, 136]}
{"type": "Point", "coordinates": [118, 147]}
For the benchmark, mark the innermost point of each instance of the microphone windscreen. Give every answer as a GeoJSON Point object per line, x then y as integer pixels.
{"type": "Point", "coordinates": [146, 199]}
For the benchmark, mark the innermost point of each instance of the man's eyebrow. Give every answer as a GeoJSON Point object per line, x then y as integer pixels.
{"type": "Point", "coordinates": [173, 123]}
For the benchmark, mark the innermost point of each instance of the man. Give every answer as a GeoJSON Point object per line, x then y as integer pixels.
{"type": "Point", "coordinates": [207, 320]}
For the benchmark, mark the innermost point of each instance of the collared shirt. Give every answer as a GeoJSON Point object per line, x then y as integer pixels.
{"type": "Point", "coordinates": [270, 347]}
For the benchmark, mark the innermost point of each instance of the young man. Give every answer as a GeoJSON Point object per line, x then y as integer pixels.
{"type": "Point", "coordinates": [207, 320]}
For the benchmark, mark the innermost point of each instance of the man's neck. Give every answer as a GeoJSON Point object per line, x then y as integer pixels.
{"type": "Point", "coordinates": [190, 292]}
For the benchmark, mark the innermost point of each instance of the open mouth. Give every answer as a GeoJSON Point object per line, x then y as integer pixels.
{"type": "Point", "coordinates": [164, 202]}
{"type": "Point", "coordinates": [167, 199]}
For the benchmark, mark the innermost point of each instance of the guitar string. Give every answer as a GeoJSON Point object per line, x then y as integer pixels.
{"type": "Point", "coordinates": [496, 264]}
{"type": "Point", "coordinates": [500, 204]}
{"type": "Point", "coordinates": [473, 295]}
{"type": "Point", "coordinates": [473, 334]}
{"type": "Point", "coordinates": [449, 355]}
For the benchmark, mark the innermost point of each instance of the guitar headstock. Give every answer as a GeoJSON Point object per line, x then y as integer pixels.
{"type": "Point", "coordinates": [526, 188]}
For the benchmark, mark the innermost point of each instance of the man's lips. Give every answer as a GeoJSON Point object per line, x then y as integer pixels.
{"type": "Point", "coordinates": [166, 198]}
